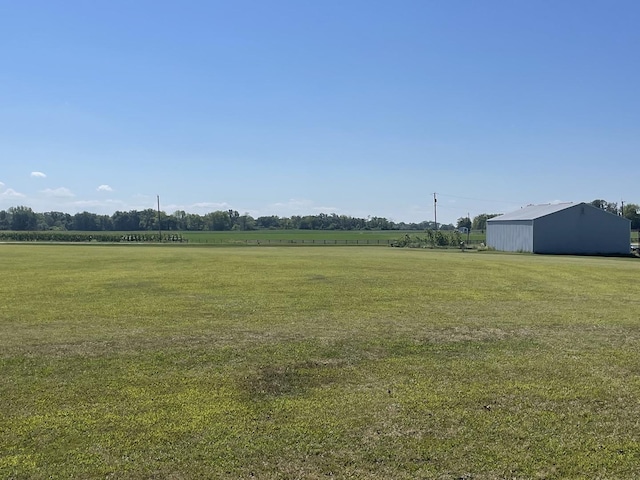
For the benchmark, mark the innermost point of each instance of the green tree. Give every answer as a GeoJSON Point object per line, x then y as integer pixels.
{"type": "Point", "coordinates": [464, 222]}
{"type": "Point", "coordinates": [5, 220]}
{"type": "Point", "coordinates": [246, 222]}
{"type": "Point", "coordinates": [610, 207]}
{"type": "Point", "coordinates": [148, 219]}
{"type": "Point", "coordinates": [480, 221]}
{"type": "Point", "coordinates": [234, 216]}
{"type": "Point", "coordinates": [272, 221]}
{"type": "Point", "coordinates": [632, 212]}
{"type": "Point", "coordinates": [85, 222]}
{"type": "Point", "coordinates": [180, 217]}
{"type": "Point", "coordinates": [217, 221]}
{"type": "Point", "coordinates": [58, 220]}
{"type": "Point", "coordinates": [23, 218]}
{"type": "Point", "coordinates": [194, 222]}
{"type": "Point", "coordinates": [126, 221]}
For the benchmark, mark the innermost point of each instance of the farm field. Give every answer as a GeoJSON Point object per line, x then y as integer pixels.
{"type": "Point", "coordinates": [313, 237]}
{"type": "Point", "coordinates": [139, 362]}
{"type": "Point", "coordinates": [298, 236]}
{"type": "Point", "coordinates": [234, 237]}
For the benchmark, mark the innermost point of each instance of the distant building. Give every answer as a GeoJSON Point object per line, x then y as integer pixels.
{"type": "Point", "coordinates": [564, 228]}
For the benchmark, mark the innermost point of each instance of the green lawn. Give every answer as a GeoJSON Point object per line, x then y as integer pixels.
{"type": "Point", "coordinates": [140, 362]}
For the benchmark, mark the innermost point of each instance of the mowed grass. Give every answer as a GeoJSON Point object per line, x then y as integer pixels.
{"type": "Point", "coordinates": [174, 362]}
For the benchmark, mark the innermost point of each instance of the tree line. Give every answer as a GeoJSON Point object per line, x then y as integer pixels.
{"type": "Point", "coordinates": [23, 218]}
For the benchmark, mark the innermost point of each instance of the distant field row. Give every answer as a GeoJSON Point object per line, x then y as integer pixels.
{"type": "Point", "coordinates": [276, 237]}
{"type": "Point", "coordinates": [307, 236]}
{"type": "Point", "coordinates": [263, 237]}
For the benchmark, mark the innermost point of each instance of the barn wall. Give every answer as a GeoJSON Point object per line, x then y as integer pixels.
{"type": "Point", "coordinates": [510, 235]}
{"type": "Point", "coordinates": [581, 229]}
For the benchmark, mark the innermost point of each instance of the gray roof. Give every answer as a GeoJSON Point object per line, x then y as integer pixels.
{"type": "Point", "coordinates": [531, 212]}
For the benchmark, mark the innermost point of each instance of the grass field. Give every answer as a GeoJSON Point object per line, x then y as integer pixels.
{"type": "Point", "coordinates": [313, 237]}
{"type": "Point", "coordinates": [140, 362]}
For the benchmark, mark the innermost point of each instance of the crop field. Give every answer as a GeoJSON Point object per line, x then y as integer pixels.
{"type": "Point", "coordinates": [311, 237]}
{"type": "Point", "coordinates": [281, 237]}
{"type": "Point", "coordinates": [150, 361]}
{"type": "Point", "coordinates": [234, 237]}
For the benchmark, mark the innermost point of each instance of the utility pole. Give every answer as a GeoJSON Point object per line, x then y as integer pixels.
{"type": "Point", "coordinates": [435, 210]}
{"type": "Point", "coordinates": [159, 226]}
{"type": "Point", "coordinates": [468, 229]}
{"type": "Point", "coordinates": [622, 208]}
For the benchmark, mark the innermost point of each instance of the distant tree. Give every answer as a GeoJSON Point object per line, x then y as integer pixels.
{"type": "Point", "coordinates": [272, 221]}
{"type": "Point", "coordinates": [168, 222]}
{"type": "Point", "coordinates": [464, 222]}
{"type": "Point", "coordinates": [194, 222]}
{"type": "Point", "coordinates": [379, 223]}
{"type": "Point", "coordinates": [234, 216]}
{"type": "Point", "coordinates": [480, 221]}
{"type": "Point", "coordinates": [41, 222]}
{"type": "Point", "coordinates": [308, 223]}
{"type": "Point", "coordinates": [632, 212]}
{"type": "Point", "coordinates": [289, 223]}
{"type": "Point", "coordinates": [85, 221]}
{"type": "Point", "coordinates": [217, 221]}
{"type": "Point", "coordinates": [104, 223]}
{"type": "Point", "coordinates": [23, 218]}
{"type": "Point", "coordinates": [5, 220]}
{"type": "Point", "coordinates": [180, 217]}
{"type": "Point", "coordinates": [246, 222]}
{"type": "Point", "coordinates": [58, 220]}
{"type": "Point", "coordinates": [126, 221]}
{"type": "Point", "coordinates": [610, 207]}
{"type": "Point", "coordinates": [148, 219]}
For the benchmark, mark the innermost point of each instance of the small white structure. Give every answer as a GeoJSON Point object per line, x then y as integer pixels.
{"type": "Point", "coordinates": [564, 228]}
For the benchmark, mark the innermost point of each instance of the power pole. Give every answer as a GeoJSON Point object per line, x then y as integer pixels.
{"type": "Point", "coordinates": [435, 210]}
{"type": "Point", "coordinates": [622, 208]}
{"type": "Point", "coordinates": [159, 225]}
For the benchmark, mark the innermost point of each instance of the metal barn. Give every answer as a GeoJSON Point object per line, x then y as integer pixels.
{"type": "Point", "coordinates": [564, 228]}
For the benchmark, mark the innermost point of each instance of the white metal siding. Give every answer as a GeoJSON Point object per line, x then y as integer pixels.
{"type": "Point", "coordinates": [510, 236]}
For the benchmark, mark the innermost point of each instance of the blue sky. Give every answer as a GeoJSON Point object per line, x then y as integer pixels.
{"type": "Point", "coordinates": [362, 108]}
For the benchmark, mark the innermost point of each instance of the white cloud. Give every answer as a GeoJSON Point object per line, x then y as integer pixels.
{"type": "Point", "coordinates": [61, 192]}
{"type": "Point", "coordinates": [105, 188]}
{"type": "Point", "coordinates": [38, 175]}
{"type": "Point", "coordinates": [209, 206]}
{"type": "Point", "coordinates": [326, 209]}
{"type": "Point", "coordinates": [11, 193]}
{"type": "Point", "coordinates": [103, 206]}
{"type": "Point", "coordinates": [1, 185]}
{"type": "Point", "coordinates": [296, 206]}
{"type": "Point", "coordinates": [293, 203]}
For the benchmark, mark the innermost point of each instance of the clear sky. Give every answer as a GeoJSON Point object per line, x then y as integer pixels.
{"type": "Point", "coordinates": [355, 107]}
